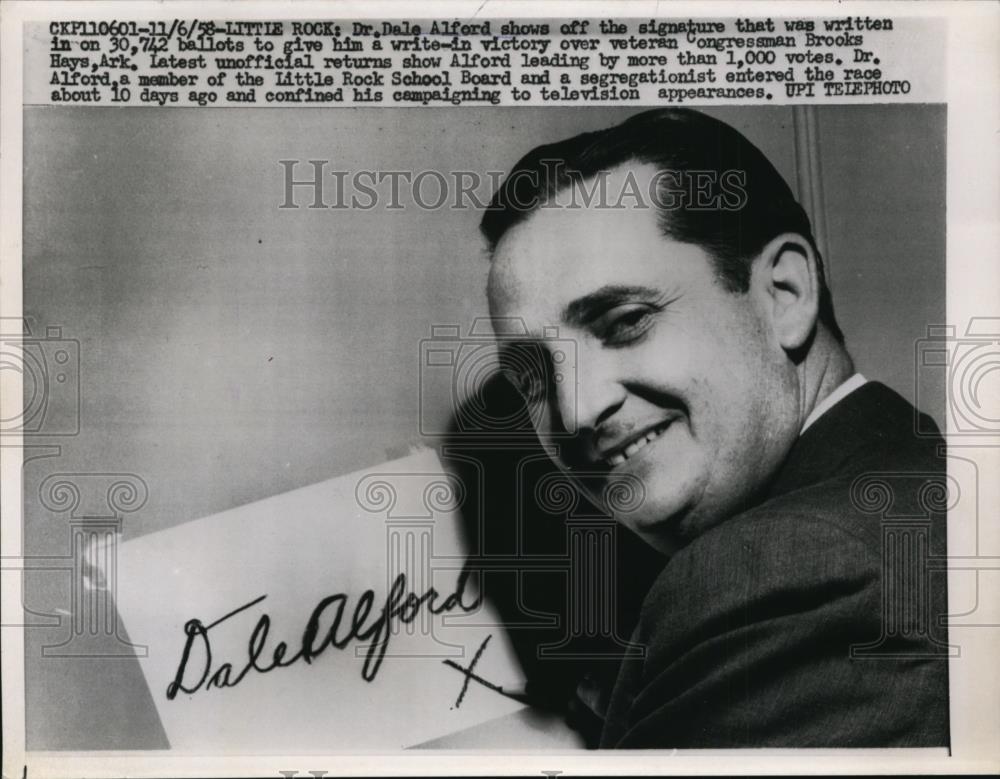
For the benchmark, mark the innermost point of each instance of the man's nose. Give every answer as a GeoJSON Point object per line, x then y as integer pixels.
{"type": "Point", "coordinates": [588, 392]}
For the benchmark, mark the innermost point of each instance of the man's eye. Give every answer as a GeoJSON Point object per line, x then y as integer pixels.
{"type": "Point", "coordinates": [625, 325]}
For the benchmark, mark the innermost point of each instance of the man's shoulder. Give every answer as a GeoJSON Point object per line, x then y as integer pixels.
{"type": "Point", "coordinates": [820, 541]}
{"type": "Point", "coordinates": [819, 537]}
{"type": "Point", "coordinates": [749, 633]}
{"type": "Point", "coordinates": [808, 546]}
{"type": "Point", "coordinates": [861, 462]}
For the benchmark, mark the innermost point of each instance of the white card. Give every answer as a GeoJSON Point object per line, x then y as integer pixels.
{"type": "Point", "coordinates": [390, 529]}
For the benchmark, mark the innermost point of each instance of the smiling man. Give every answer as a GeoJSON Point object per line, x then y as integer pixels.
{"type": "Point", "coordinates": [710, 367]}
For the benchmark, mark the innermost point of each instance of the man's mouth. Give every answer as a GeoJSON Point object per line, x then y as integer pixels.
{"type": "Point", "coordinates": [629, 449]}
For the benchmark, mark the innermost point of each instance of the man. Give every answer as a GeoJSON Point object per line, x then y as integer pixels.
{"type": "Point", "coordinates": [709, 366]}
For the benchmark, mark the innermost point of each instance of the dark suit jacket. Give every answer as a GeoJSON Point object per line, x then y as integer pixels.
{"type": "Point", "coordinates": [814, 619]}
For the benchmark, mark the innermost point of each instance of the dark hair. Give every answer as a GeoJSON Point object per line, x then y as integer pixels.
{"type": "Point", "coordinates": [680, 141]}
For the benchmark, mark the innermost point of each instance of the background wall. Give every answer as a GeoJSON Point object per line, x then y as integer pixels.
{"type": "Point", "coordinates": [883, 181]}
{"type": "Point", "coordinates": [232, 350]}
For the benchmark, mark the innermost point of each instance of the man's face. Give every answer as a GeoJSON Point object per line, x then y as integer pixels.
{"type": "Point", "coordinates": [677, 381]}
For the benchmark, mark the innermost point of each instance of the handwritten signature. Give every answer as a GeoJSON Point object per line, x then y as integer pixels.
{"type": "Point", "coordinates": [400, 606]}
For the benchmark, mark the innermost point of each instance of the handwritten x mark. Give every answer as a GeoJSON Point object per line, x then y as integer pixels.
{"type": "Point", "coordinates": [470, 676]}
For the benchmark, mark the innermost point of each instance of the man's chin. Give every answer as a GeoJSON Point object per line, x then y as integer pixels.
{"type": "Point", "coordinates": [661, 525]}
{"type": "Point", "coordinates": [659, 519]}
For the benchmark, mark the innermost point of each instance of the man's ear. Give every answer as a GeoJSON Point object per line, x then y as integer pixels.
{"type": "Point", "coordinates": [789, 277]}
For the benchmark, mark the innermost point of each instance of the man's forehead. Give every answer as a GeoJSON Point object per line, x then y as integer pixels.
{"type": "Point", "coordinates": [562, 251]}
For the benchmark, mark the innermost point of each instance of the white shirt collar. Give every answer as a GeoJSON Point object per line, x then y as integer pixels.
{"type": "Point", "coordinates": [833, 398]}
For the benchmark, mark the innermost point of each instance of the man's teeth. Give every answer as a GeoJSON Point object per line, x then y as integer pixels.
{"type": "Point", "coordinates": [635, 446]}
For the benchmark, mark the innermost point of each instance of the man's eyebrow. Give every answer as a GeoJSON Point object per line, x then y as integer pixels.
{"type": "Point", "coordinates": [584, 310]}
